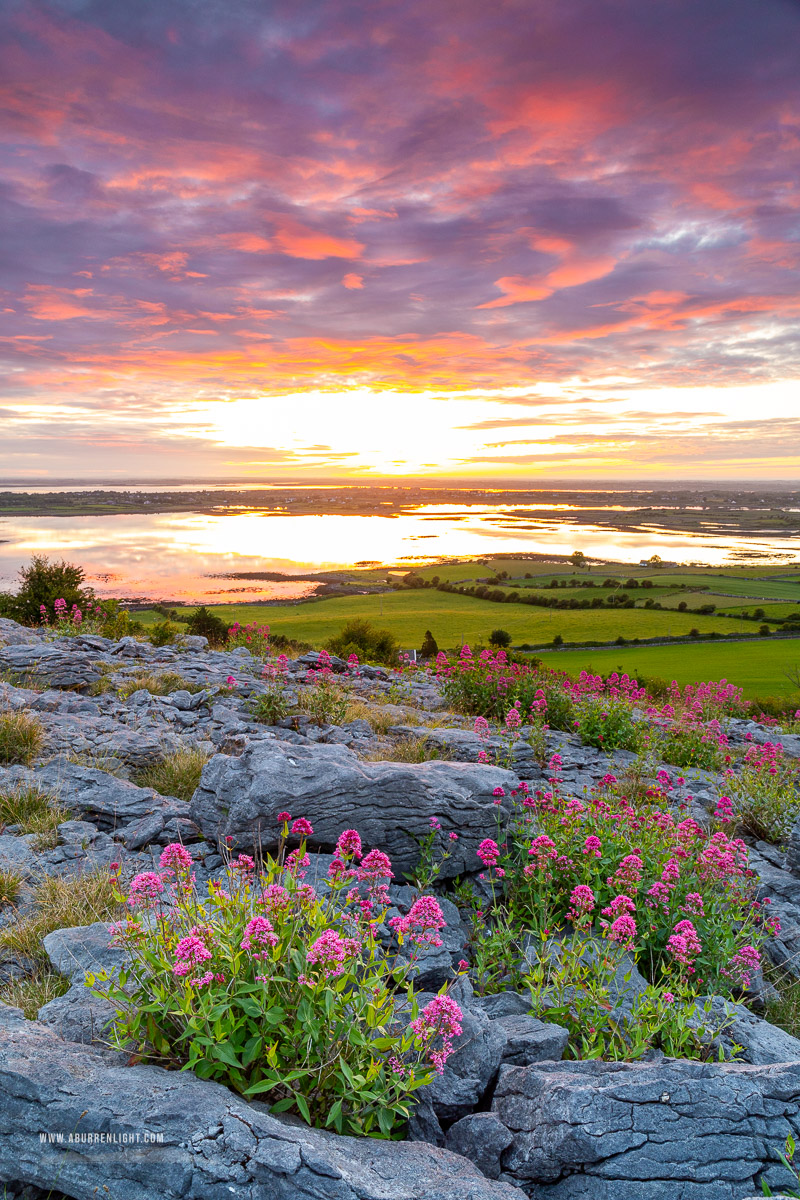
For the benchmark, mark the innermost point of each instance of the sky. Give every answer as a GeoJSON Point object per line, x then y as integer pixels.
{"type": "Point", "coordinates": [358, 239]}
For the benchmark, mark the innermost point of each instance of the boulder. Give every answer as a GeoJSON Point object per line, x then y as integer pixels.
{"type": "Point", "coordinates": [143, 1133]}
{"type": "Point", "coordinates": [668, 1130]}
{"type": "Point", "coordinates": [390, 804]}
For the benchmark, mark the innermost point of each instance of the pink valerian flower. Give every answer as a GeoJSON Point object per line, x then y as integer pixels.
{"type": "Point", "coordinates": [724, 810]}
{"type": "Point", "coordinates": [176, 859]}
{"type": "Point", "coordinates": [323, 661]}
{"type": "Point", "coordinates": [463, 965]}
{"type": "Point", "coordinates": [582, 902]}
{"type": "Point", "coordinates": [668, 997]}
{"type": "Point", "coordinates": [745, 962]}
{"type": "Point", "coordinates": [488, 852]}
{"type": "Point", "coordinates": [440, 1018]}
{"type": "Point", "coordinates": [260, 931]}
{"type": "Point", "coordinates": [671, 873]}
{"type": "Point", "coordinates": [593, 846]}
{"type": "Point", "coordinates": [684, 944]}
{"type": "Point", "coordinates": [330, 951]}
{"type": "Point", "coordinates": [498, 791]}
{"type": "Point", "coordinates": [145, 889]}
{"type": "Point", "coordinates": [349, 844]}
{"type": "Point", "coordinates": [296, 865]}
{"type": "Point", "coordinates": [622, 931]}
{"type": "Point", "coordinates": [283, 816]}
{"type": "Point", "coordinates": [275, 898]}
{"type": "Point", "coordinates": [483, 756]}
{"type": "Point", "coordinates": [513, 720]}
{"type": "Point", "coordinates": [302, 828]}
{"type": "Point", "coordinates": [244, 864]}
{"type": "Point", "coordinates": [436, 824]}
{"type": "Point", "coordinates": [619, 905]}
{"type": "Point", "coordinates": [202, 980]}
{"type": "Point", "coordinates": [374, 867]}
{"type": "Point", "coordinates": [658, 896]}
{"type": "Point", "coordinates": [230, 682]}
{"type": "Point", "coordinates": [481, 728]}
{"type": "Point", "coordinates": [190, 952]}
{"type": "Point", "coordinates": [693, 905]}
{"type": "Point", "coordinates": [543, 847]}
{"type": "Point", "coordinates": [352, 663]}
{"type": "Point", "coordinates": [423, 922]}
{"type": "Point", "coordinates": [337, 870]}
{"type": "Point", "coordinates": [629, 873]}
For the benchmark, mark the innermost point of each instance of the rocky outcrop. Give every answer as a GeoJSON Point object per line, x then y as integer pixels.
{"type": "Point", "coordinates": [142, 1133]}
{"type": "Point", "coordinates": [669, 1130]}
{"type": "Point", "coordinates": [391, 804]}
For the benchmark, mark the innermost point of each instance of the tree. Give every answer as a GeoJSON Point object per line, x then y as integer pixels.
{"type": "Point", "coordinates": [209, 625]}
{"type": "Point", "coordinates": [42, 583]}
{"type": "Point", "coordinates": [429, 648]}
{"type": "Point", "coordinates": [362, 638]}
{"type": "Point", "coordinates": [499, 638]}
{"type": "Point", "coordinates": [654, 561]}
{"type": "Point", "coordinates": [578, 559]}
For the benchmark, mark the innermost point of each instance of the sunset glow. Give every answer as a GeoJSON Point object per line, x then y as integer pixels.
{"type": "Point", "coordinates": [519, 241]}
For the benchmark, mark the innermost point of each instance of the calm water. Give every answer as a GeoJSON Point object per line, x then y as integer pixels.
{"type": "Point", "coordinates": [174, 556]}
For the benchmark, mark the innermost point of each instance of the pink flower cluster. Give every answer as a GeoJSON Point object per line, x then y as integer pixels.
{"type": "Point", "coordinates": [423, 922]}
{"type": "Point", "coordinates": [440, 1018]}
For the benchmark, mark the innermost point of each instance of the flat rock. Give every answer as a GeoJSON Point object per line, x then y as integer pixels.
{"type": "Point", "coordinates": [189, 1139]}
{"type": "Point", "coordinates": [390, 804]}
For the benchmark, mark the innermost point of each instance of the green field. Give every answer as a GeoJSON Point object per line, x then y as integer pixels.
{"type": "Point", "coordinates": [758, 667]}
{"type": "Point", "coordinates": [453, 619]}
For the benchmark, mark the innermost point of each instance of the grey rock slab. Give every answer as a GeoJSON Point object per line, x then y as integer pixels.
{"type": "Point", "coordinates": [207, 1142]}
{"type": "Point", "coordinates": [107, 800]}
{"type": "Point", "coordinates": [482, 1138]}
{"type": "Point", "coordinates": [673, 1129]}
{"type": "Point", "coordinates": [390, 804]}
{"type": "Point", "coordinates": [529, 1040]}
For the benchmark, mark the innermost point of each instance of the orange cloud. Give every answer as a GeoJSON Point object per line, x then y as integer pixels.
{"type": "Point", "coordinates": [353, 281]}
{"type": "Point", "coordinates": [57, 304]}
{"type": "Point", "coordinates": [298, 241]}
{"type": "Point", "coordinates": [251, 243]}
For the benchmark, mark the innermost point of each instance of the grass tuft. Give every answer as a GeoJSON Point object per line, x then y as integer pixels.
{"type": "Point", "coordinates": [34, 811]}
{"type": "Point", "coordinates": [358, 711]}
{"type": "Point", "coordinates": [21, 737]}
{"type": "Point", "coordinates": [10, 883]}
{"type": "Point", "coordinates": [176, 775]}
{"type": "Point", "coordinates": [32, 992]}
{"type": "Point", "coordinates": [157, 685]}
{"type": "Point", "coordinates": [408, 750]}
{"type": "Point", "coordinates": [61, 904]}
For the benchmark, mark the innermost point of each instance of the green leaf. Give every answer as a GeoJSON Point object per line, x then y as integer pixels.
{"type": "Point", "coordinates": [302, 1104]}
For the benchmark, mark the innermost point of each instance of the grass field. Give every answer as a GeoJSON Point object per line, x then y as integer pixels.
{"type": "Point", "coordinates": [453, 619]}
{"type": "Point", "coordinates": [757, 667]}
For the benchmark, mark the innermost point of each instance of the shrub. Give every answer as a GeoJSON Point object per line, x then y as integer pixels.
{"type": "Point", "coordinates": [21, 737]}
{"type": "Point", "coordinates": [429, 648]}
{"type": "Point", "coordinates": [176, 775]}
{"type": "Point", "coordinates": [42, 583]}
{"type": "Point", "coordinates": [34, 812]}
{"type": "Point", "coordinates": [362, 638]}
{"type": "Point", "coordinates": [278, 991]}
{"type": "Point", "coordinates": [207, 624]}
{"type": "Point", "coordinates": [558, 640]}
{"type": "Point", "coordinates": [607, 723]}
{"type": "Point", "coordinates": [406, 749]}
{"type": "Point", "coordinates": [253, 637]}
{"type": "Point", "coordinates": [272, 705]}
{"type": "Point", "coordinates": [500, 638]}
{"type": "Point", "coordinates": [763, 797]}
{"type": "Point", "coordinates": [163, 632]}
{"type": "Point", "coordinates": [324, 700]}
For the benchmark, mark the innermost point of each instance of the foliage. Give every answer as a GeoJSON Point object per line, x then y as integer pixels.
{"type": "Point", "coordinates": [176, 775]}
{"type": "Point", "coordinates": [21, 737]}
{"type": "Point", "coordinates": [500, 638]}
{"type": "Point", "coordinates": [10, 884]}
{"type": "Point", "coordinates": [273, 704]}
{"type": "Point", "coordinates": [406, 749]}
{"type": "Point", "coordinates": [280, 991]}
{"type": "Point", "coordinates": [206, 624]}
{"type": "Point", "coordinates": [763, 795]}
{"type": "Point", "coordinates": [157, 685]}
{"type": "Point", "coordinates": [429, 647]}
{"type": "Point", "coordinates": [253, 637]}
{"type": "Point", "coordinates": [607, 723]}
{"type": "Point", "coordinates": [323, 700]}
{"type": "Point", "coordinates": [164, 632]}
{"type": "Point", "coordinates": [362, 638]}
{"type": "Point", "coordinates": [42, 583]}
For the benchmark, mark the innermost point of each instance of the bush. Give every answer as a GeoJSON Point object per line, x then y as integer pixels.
{"type": "Point", "coordinates": [21, 737]}
{"type": "Point", "coordinates": [253, 637]}
{"type": "Point", "coordinates": [324, 700]}
{"type": "Point", "coordinates": [500, 638]}
{"type": "Point", "coordinates": [41, 584]}
{"type": "Point", "coordinates": [607, 723]}
{"type": "Point", "coordinates": [429, 648]}
{"type": "Point", "coordinates": [362, 638]}
{"type": "Point", "coordinates": [558, 640]}
{"type": "Point", "coordinates": [207, 624]}
{"type": "Point", "coordinates": [277, 991]}
{"type": "Point", "coordinates": [163, 633]}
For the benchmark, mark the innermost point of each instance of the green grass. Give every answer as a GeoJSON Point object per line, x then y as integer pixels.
{"type": "Point", "coordinates": [756, 666]}
{"type": "Point", "coordinates": [453, 619]}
